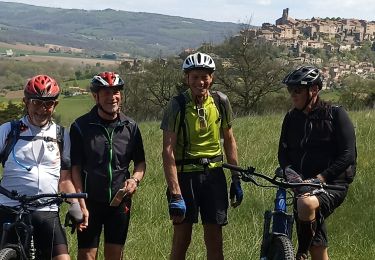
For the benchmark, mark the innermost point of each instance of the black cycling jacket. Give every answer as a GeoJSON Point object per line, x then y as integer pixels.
{"type": "Point", "coordinates": [321, 142]}
{"type": "Point", "coordinates": [104, 154]}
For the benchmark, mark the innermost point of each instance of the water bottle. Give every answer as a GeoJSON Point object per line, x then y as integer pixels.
{"type": "Point", "coordinates": [280, 224]}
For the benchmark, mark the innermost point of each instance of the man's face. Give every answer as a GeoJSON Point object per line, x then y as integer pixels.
{"type": "Point", "coordinates": [109, 99]}
{"type": "Point", "coordinates": [199, 82]}
{"type": "Point", "coordinates": [40, 111]}
{"type": "Point", "coordinates": [299, 96]}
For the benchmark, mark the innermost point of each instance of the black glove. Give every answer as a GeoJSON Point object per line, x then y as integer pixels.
{"type": "Point", "coordinates": [307, 189]}
{"type": "Point", "coordinates": [291, 175]}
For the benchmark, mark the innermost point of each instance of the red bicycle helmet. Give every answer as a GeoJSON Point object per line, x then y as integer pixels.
{"type": "Point", "coordinates": [106, 80]}
{"type": "Point", "coordinates": [42, 87]}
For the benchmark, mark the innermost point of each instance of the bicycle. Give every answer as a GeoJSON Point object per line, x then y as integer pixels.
{"type": "Point", "coordinates": [278, 223]}
{"type": "Point", "coordinates": [23, 248]}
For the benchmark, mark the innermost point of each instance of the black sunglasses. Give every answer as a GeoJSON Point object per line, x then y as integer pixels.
{"type": "Point", "coordinates": [296, 89]}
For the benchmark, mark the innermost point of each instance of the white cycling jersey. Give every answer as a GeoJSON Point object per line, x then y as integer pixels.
{"type": "Point", "coordinates": [40, 156]}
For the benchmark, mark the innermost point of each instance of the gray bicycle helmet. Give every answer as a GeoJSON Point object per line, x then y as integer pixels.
{"type": "Point", "coordinates": [198, 61]}
{"type": "Point", "coordinates": [304, 76]}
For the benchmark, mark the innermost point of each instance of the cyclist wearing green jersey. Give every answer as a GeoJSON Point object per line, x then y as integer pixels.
{"type": "Point", "coordinates": [192, 126]}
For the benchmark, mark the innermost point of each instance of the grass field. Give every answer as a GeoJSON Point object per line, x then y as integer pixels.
{"type": "Point", "coordinates": [351, 228]}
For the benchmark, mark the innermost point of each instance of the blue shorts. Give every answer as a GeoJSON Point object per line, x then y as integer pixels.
{"type": "Point", "coordinates": [205, 193]}
{"type": "Point", "coordinates": [114, 219]}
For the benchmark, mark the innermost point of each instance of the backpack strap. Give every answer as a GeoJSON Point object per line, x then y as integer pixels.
{"type": "Point", "coordinates": [218, 99]}
{"type": "Point", "coordinates": [181, 100]}
{"type": "Point", "coordinates": [60, 138]}
{"type": "Point", "coordinates": [14, 136]}
{"type": "Point", "coordinates": [11, 140]}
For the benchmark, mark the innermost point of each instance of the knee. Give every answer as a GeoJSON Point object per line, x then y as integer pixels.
{"type": "Point", "coordinates": [306, 208]}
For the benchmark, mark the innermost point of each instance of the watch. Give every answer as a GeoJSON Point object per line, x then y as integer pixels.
{"type": "Point", "coordinates": [136, 180]}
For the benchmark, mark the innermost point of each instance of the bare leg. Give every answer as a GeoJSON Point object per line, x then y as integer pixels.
{"type": "Point", "coordinates": [213, 238]}
{"type": "Point", "coordinates": [181, 241]}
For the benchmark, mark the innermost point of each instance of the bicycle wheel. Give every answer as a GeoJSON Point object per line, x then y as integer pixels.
{"type": "Point", "coordinates": [281, 248]}
{"type": "Point", "coordinates": [8, 254]}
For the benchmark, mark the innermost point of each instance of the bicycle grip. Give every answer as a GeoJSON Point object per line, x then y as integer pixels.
{"type": "Point", "coordinates": [232, 167]}
{"type": "Point", "coordinates": [334, 187]}
{"type": "Point", "coordinates": [81, 195]}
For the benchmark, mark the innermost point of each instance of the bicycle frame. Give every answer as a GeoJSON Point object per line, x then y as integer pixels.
{"type": "Point", "coordinates": [276, 223]}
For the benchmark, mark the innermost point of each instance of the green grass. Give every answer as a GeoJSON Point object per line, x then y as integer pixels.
{"type": "Point", "coordinates": [69, 108]}
{"type": "Point", "coordinates": [351, 228]}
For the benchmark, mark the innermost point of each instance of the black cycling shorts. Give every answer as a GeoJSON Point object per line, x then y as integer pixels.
{"type": "Point", "coordinates": [327, 204]}
{"type": "Point", "coordinates": [205, 193]}
{"type": "Point", "coordinates": [114, 219]}
{"type": "Point", "coordinates": [49, 235]}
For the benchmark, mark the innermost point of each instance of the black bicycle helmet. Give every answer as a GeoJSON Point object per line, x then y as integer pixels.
{"type": "Point", "coordinates": [304, 76]}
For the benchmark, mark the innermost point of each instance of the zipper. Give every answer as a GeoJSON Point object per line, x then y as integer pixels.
{"type": "Point", "coordinates": [109, 138]}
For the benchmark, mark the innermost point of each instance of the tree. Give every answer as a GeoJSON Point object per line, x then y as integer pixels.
{"type": "Point", "coordinates": [154, 84]}
{"type": "Point", "coordinates": [248, 70]}
{"type": "Point", "coordinates": [10, 112]}
{"type": "Point", "coordinates": [357, 93]}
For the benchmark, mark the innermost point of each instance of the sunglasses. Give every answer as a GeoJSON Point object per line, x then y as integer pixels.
{"type": "Point", "coordinates": [202, 117]}
{"type": "Point", "coordinates": [296, 89]}
{"type": "Point", "coordinates": [45, 103]}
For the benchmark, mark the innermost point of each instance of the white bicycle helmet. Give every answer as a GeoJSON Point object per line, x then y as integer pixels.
{"type": "Point", "coordinates": [198, 61]}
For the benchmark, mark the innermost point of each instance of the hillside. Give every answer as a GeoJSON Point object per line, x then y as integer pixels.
{"type": "Point", "coordinates": [143, 34]}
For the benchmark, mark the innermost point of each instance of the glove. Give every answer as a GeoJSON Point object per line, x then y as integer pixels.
{"type": "Point", "coordinates": [307, 189]}
{"type": "Point", "coordinates": [235, 192]}
{"type": "Point", "coordinates": [75, 212]}
{"type": "Point", "coordinates": [291, 175]}
{"type": "Point", "coordinates": [177, 206]}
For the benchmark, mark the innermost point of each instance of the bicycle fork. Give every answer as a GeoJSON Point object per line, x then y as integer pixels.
{"type": "Point", "coordinates": [280, 221]}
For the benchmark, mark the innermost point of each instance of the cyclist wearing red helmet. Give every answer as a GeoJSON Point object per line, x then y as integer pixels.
{"type": "Point", "coordinates": [318, 142]}
{"type": "Point", "coordinates": [104, 142]}
{"type": "Point", "coordinates": [36, 159]}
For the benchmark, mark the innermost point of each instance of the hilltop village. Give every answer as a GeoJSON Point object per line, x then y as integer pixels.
{"type": "Point", "coordinates": [328, 34]}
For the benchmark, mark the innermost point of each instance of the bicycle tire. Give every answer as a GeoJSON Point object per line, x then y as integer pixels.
{"type": "Point", "coordinates": [8, 254]}
{"type": "Point", "coordinates": [280, 248]}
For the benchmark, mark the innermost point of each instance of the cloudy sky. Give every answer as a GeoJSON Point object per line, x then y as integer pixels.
{"type": "Point", "coordinates": [258, 11]}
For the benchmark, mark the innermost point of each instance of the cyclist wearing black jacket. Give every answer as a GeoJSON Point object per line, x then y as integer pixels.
{"type": "Point", "coordinates": [317, 141]}
{"type": "Point", "coordinates": [104, 142]}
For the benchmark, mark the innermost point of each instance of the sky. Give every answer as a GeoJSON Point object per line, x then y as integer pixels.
{"type": "Point", "coordinates": [237, 11]}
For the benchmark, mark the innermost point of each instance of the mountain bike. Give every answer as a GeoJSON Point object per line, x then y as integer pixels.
{"type": "Point", "coordinates": [22, 227]}
{"type": "Point", "coordinates": [278, 223]}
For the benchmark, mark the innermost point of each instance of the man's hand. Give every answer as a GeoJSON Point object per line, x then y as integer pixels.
{"type": "Point", "coordinates": [177, 208]}
{"type": "Point", "coordinates": [235, 192]}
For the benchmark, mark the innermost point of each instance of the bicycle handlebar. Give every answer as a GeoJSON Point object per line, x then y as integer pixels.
{"type": "Point", "coordinates": [24, 198]}
{"type": "Point", "coordinates": [247, 176]}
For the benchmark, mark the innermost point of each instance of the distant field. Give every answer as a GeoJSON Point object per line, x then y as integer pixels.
{"type": "Point", "coordinates": [24, 47]}
{"type": "Point", "coordinates": [61, 59]}
{"type": "Point", "coordinates": [41, 54]}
